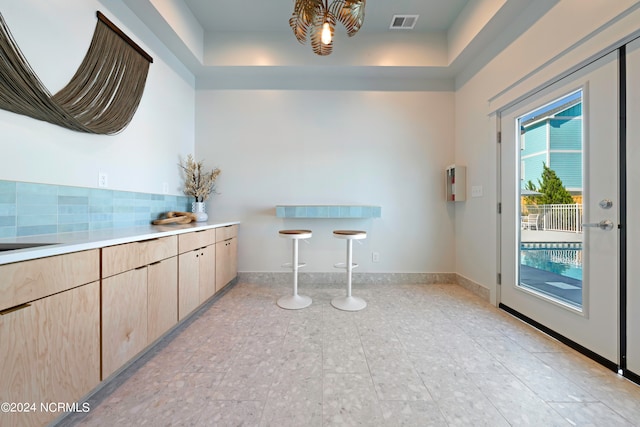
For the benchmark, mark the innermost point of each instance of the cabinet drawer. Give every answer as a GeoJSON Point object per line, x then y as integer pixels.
{"type": "Point", "coordinates": [224, 233]}
{"type": "Point", "coordinates": [119, 258]}
{"type": "Point", "coordinates": [26, 281]}
{"type": "Point", "coordinates": [197, 239]}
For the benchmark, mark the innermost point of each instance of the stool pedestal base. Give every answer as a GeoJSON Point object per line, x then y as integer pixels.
{"type": "Point", "coordinates": [294, 302]}
{"type": "Point", "coordinates": [349, 303]}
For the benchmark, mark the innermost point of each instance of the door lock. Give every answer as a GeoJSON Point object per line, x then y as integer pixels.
{"type": "Point", "coordinates": [606, 204]}
{"type": "Point", "coordinates": [605, 224]}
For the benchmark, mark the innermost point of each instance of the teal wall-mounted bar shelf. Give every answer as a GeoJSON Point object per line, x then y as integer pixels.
{"type": "Point", "coordinates": [328, 211]}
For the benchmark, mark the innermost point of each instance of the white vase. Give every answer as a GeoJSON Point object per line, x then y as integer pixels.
{"type": "Point", "coordinates": [198, 209]}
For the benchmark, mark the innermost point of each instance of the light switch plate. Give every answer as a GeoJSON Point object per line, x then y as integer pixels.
{"type": "Point", "coordinates": [476, 191]}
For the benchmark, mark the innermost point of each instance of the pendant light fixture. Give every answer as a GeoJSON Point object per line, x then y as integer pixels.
{"type": "Point", "coordinates": [317, 19]}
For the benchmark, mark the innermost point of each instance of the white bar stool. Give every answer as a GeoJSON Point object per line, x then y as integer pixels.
{"type": "Point", "coordinates": [295, 301]}
{"type": "Point", "coordinates": [349, 302]}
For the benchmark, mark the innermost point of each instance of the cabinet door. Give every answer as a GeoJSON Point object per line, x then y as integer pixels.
{"type": "Point", "coordinates": [207, 272]}
{"type": "Point", "coordinates": [233, 259]}
{"type": "Point", "coordinates": [162, 297]}
{"type": "Point", "coordinates": [21, 363]}
{"type": "Point", "coordinates": [124, 318]}
{"type": "Point", "coordinates": [73, 323]}
{"type": "Point", "coordinates": [226, 262]}
{"type": "Point", "coordinates": [188, 283]}
{"type": "Point", "coordinates": [50, 352]}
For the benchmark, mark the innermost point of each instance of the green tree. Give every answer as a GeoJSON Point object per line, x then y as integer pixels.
{"type": "Point", "coordinates": [552, 189]}
{"type": "Point", "coordinates": [530, 200]}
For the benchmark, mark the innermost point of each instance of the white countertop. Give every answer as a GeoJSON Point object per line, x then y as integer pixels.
{"type": "Point", "coordinates": [63, 243]}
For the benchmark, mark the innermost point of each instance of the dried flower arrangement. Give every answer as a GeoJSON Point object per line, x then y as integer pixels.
{"type": "Point", "coordinates": [197, 183]}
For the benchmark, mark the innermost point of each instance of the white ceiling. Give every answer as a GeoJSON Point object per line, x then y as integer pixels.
{"type": "Point", "coordinates": [248, 44]}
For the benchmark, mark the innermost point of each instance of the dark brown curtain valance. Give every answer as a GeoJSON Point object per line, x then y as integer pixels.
{"type": "Point", "coordinates": [101, 97]}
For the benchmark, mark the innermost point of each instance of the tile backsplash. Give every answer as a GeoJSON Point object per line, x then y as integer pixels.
{"type": "Point", "coordinates": [28, 209]}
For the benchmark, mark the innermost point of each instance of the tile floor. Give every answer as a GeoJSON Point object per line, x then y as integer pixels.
{"type": "Point", "coordinates": [418, 355]}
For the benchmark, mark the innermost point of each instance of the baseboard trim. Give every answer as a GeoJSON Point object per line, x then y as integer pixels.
{"type": "Point", "coordinates": [474, 287]}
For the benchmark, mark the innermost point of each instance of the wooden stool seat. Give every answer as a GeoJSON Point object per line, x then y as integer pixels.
{"type": "Point", "coordinates": [350, 234]}
{"type": "Point", "coordinates": [295, 234]}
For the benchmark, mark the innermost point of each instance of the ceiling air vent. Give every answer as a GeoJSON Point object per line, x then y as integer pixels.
{"type": "Point", "coordinates": [403, 22]}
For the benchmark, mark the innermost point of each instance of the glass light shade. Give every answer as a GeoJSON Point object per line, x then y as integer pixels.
{"type": "Point", "coordinates": [326, 33]}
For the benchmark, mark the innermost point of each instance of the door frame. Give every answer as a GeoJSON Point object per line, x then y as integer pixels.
{"type": "Point", "coordinates": [630, 293]}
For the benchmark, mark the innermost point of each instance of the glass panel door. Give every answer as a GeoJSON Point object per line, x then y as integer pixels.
{"type": "Point", "coordinates": [559, 252]}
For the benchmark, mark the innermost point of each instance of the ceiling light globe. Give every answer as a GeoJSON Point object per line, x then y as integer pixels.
{"type": "Point", "coordinates": [326, 33]}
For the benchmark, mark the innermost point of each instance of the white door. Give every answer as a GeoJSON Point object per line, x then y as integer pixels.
{"type": "Point", "coordinates": [633, 207]}
{"type": "Point", "coordinates": [555, 271]}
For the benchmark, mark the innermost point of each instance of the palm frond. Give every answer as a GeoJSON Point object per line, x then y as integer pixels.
{"type": "Point", "coordinates": [302, 17]}
{"type": "Point", "coordinates": [349, 13]}
{"type": "Point", "coordinates": [309, 16]}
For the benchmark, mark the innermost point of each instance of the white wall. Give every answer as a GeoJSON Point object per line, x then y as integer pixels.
{"type": "Point", "coordinates": [332, 147]}
{"type": "Point", "coordinates": [279, 147]}
{"type": "Point", "coordinates": [550, 47]}
{"type": "Point", "coordinates": [54, 37]}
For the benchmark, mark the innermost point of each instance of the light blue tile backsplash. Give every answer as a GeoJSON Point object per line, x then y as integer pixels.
{"type": "Point", "coordinates": [28, 209]}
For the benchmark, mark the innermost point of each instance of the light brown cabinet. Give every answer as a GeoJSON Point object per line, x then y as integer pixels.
{"type": "Point", "coordinates": [207, 271]}
{"type": "Point", "coordinates": [196, 270]}
{"type": "Point", "coordinates": [50, 346]}
{"type": "Point", "coordinates": [68, 321]}
{"type": "Point", "coordinates": [26, 281]}
{"type": "Point", "coordinates": [188, 283]}
{"type": "Point", "coordinates": [124, 318]}
{"type": "Point", "coordinates": [162, 297]}
{"type": "Point", "coordinates": [226, 255]}
{"type": "Point", "coordinates": [139, 298]}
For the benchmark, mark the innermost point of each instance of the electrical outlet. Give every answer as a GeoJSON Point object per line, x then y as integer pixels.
{"type": "Point", "coordinates": [165, 188]}
{"type": "Point", "coordinates": [103, 180]}
{"type": "Point", "coordinates": [375, 256]}
{"type": "Point", "coordinates": [476, 191]}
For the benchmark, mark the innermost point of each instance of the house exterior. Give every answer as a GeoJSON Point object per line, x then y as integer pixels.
{"type": "Point", "coordinates": [553, 138]}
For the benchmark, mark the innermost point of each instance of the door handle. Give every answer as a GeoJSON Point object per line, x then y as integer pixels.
{"type": "Point", "coordinates": [605, 224]}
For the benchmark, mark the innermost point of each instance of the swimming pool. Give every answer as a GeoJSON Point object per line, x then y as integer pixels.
{"type": "Point", "coordinates": [563, 260]}
{"type": "Point", "coordinates": [553, 270]}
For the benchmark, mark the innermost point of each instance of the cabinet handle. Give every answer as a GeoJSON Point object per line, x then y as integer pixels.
{"type": "Point", "coordinates": [154, 263]}
{"type": "Point", "coordinates": [140, 268]}
{"type": "Point", "coordinates": [148, 240]}
{"type": "Point", "coordinates": [12, 309]}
